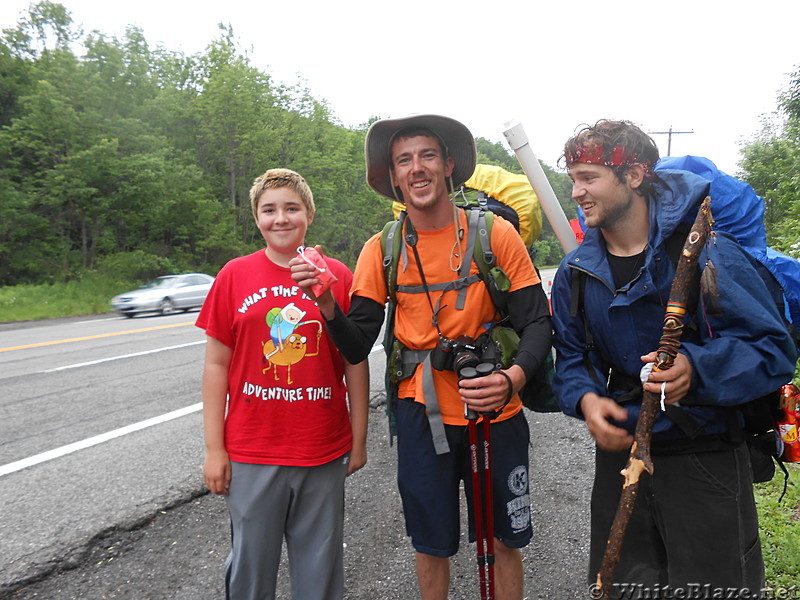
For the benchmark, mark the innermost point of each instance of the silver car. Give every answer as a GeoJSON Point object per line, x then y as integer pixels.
{"type": "Point", "coordinates": [165, 295]}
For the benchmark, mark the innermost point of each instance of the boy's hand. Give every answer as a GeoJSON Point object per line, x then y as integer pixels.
{"type": "Point", "coordinates": [358, 458]}
{"type": "Point", "coordinates": [217, 472]}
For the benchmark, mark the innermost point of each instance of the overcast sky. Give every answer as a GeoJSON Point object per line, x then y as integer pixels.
{"type": "Point", "coordinates": [703, 66]}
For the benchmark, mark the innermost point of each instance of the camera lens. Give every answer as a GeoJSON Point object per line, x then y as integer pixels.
{"type": "Point", "coordinates": [465, 359]}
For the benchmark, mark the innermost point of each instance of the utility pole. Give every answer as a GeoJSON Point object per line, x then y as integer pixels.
{"type": "Point", "coordinates": [669, 135]}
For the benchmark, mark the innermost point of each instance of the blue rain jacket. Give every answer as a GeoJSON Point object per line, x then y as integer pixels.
{"type": "Point", "coordinates": [738, 353]}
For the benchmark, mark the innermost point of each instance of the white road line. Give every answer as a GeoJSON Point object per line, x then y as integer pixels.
{"type": "Point", "coordinates": [98, 439]}
{"type": "Point", "coordinates": [104, 437]}
{"type": "Point", "coordinates": [102, 360]}
{"type": "Point", "coordinates": [97, 320]}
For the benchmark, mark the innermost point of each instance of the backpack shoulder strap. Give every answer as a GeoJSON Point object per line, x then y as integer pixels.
{"type": "Point", "coordinates": [391, 242]}
{"type": "Point", "coordinates": [479, 233]}
{"type": "Point", "coordinates": [577, 310]}
{"type": "Point", "coordinates": [482, 251]}
{"type": "Point", "coordinates": [493, 277]}
{"type": "Point", "coordinates": [391, 245]}
{"type": "Point", "coordinates": [479, 230]}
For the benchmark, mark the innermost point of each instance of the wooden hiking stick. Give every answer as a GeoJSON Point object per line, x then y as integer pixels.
{"type": "Point", "coordinates": [639, 459]}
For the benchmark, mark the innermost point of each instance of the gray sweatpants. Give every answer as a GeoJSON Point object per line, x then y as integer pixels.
{"type": "Point", "coordinates": [303, 504]}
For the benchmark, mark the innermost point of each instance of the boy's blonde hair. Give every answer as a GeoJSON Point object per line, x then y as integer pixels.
{"type": "Point", "coordinates": [281, 178]}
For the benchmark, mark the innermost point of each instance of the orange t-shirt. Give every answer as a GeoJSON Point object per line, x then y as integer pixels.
{"type": "Point", "coordinates": [413, 326]}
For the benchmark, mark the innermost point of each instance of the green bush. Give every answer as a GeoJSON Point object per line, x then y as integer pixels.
{"type": "Point", "coordinates": [88, 295]}
{"type": "Point", "coordinates": [548, 253]}
{"type": "Point", "coordinates": [136, 265]}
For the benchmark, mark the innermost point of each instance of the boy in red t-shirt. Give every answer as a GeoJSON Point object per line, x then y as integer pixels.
{"type": "Point", "coordinates": [280, 439]}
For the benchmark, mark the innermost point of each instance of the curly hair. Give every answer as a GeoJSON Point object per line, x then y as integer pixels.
{"type": "Point", "coordinates": [281, 178]}
{"type": "Point", "coordinates": [615, 144]}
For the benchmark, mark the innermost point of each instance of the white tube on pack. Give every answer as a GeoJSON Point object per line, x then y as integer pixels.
{"type": "Point", "coordinates": [518, 142]}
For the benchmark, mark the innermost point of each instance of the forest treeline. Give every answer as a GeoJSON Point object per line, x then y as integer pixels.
{"type": "Point", "coordinates": [120, 157]}
{"type": "Point", "coordinates": [771, 164]}
{"type": "Point", "coordinates": [137, 160]}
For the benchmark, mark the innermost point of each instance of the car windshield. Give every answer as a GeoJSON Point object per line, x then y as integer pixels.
{"type": "Point", "coordinates": [161, 282]}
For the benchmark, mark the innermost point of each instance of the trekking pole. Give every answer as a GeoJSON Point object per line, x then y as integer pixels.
{"type": "Point", "coordinates": [489, 496]}
{"type": "Point", "coordinates": [477, 508]}
{"type": "Point", "coordinates": [483, 535]}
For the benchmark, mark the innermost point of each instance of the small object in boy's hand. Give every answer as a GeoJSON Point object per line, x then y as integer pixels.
{"type": "Point", "coordinates": [314, 258]}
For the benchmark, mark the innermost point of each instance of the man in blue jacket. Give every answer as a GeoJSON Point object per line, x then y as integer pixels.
{"type": "Point", "coordinates": [694, 525]}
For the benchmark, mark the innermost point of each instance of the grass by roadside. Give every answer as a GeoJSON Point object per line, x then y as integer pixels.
{"type": "Point", "coordinates": [88, 296]}
{"type": "Point", "coordinates": [780, 529]}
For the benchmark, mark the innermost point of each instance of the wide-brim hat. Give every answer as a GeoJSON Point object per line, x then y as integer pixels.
{"type": "Point", "coordinates": [457, 139]}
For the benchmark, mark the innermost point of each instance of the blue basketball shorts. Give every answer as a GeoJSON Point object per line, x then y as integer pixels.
{"type": "Point", "coordinates": [430, 484]}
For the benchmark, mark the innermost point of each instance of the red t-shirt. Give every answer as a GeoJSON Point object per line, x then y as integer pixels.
{"type": "Point", "coordinates": [286, 393]}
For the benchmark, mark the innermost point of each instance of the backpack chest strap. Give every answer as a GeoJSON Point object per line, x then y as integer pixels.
{"type": "Point", "coordinates": [476, 228]}
{"type": "Point", "coordinates": [456, 284]}
{"type": "Point", "coordinates": [460, 284]}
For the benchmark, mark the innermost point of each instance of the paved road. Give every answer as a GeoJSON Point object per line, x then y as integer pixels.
{"type": "Point", "coordinates": [128, 518]}
{"type": "Point", "coordinates": [178, 553]}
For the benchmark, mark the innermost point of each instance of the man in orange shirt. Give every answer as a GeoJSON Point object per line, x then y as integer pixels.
{"type": "Point", "coordinates": [420, 161]}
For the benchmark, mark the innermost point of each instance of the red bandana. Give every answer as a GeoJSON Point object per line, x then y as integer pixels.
{"type": "Point", "coordinates": [595, 155]}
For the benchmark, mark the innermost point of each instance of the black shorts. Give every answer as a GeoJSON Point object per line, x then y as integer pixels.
{"type": "Point", "coordinates": [429, 483]}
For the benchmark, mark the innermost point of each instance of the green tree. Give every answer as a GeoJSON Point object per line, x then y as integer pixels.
{"type": "Point", "coordinates": [15, 78]}
{"type": "Point", "coordinates": [128, 149]}
{"type": "Point", "coordinates": [771, 164]}
{"type": "Point", "coordinates": [47, 26]}
{"type": "Point", "coordinates": [29, 249]}
{"type": "Point", "coordinates": [494, 153]}
{"type": "Point", "coordinates": [237, 120]}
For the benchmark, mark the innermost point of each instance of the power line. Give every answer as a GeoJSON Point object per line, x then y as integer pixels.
{"type": "Point", "coordinates": [669, 135]}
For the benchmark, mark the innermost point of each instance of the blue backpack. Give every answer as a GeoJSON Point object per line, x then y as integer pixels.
{"type": "Point", "coordinates": [738, 210]}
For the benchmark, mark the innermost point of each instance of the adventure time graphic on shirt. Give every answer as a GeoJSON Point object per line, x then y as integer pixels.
{"type": "Point", "coordinates": [289, 339]}
{"type": "Point", "coordinates": [282, 323]}
{"type": "Point", "coordinates": [287, 346]}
